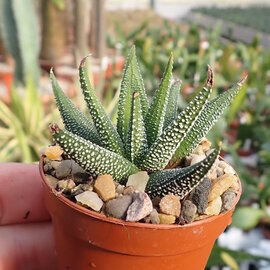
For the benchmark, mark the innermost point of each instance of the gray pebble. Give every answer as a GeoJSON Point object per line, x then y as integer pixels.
{"type": "Point", "coordinates": [154, 218]}
{"type": "Point", "coordinates": [78, 173]}
{"type": "Point", "coordinates": [47, 168]}
{"type": "Point", "coordinates": [200, 195]}
{"type": "Point", "coordinates": [228, 198]}
{"type": "Point", "coordinates": [219, 172]}
{"type": "Point", "coordinates": [188, 212]}
{"type": "Point", "coordinates": [118, 207]}
{"type": "Point", "coordinates": [63, 170]}
{"type": "Point", "coordinates": [76, 168]}
{"type": "Point", "coordinates": [55, 164]}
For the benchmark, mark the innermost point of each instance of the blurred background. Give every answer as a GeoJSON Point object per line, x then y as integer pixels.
{"type": "Point", "coordinates": [233, 36]}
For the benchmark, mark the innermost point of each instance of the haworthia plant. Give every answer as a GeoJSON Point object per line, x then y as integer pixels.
{"type": "Point", "coordinates": [145, 139]}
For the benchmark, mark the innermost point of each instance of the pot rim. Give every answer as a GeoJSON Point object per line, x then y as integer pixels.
{"type": "Point", "coordinates": [102, 217]}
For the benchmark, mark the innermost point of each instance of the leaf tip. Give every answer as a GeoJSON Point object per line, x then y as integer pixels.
{"type": "Point", "coordinates": [52, 76]}
{"type": "Point", "coordinates": [82, 64]}
{"type": "Point", "coordinates": [210, 79]}
{"type": "Point", "coordinates": [242, 81]}
{"type": "Point", "coordinates": [136, 94]}
{"type": "Point", "coordinates": [171, 56]}
{"type": "Point", "coordinates": [177, 81]}
{"type": "Point", "coordinates": [54, 128]}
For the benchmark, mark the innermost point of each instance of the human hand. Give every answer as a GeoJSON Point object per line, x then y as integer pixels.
{"type": "Point", "coordinates": [26, 233]}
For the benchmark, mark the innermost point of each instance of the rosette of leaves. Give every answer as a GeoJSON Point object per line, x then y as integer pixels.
{"type": "Point", "coordinates": [151, 138]}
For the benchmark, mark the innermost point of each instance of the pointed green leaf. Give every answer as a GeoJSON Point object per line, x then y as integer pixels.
{"type": "Point", "coordinates": [180, 181]}
{"type": "Point", "coordinates": [74, 120]}
{"type": "Point", "coordinates": [166, 144]}
{"type": "Point", "coordinates": [156, 113]}
{"type": "Point", "coordinates": [172, 107]}
{"type": "Point", "coordinates": [215, 257]}
{"type": "Point", "coordinates": [131, 82]}
{"type": "Point", "coordinates": [107, 133]}
{"type": "Point", "coordinates": [91, 157]}
{"type": "Point", "coordinates": [209, 116]}
{"type": "Point", "coordinates": [136, 144]}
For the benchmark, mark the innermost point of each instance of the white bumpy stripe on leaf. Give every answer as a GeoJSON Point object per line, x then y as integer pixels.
{"type": "Point", "coordinates": [172, 107]}
{"type": "Point", "coordinates": [136, 144]}
{"type": "Point", "coordinates": [179, 181]}
{"type": "Point", "coordinates": [156, 113]}
{"type": "Point", "coordinates": [108, 135]}
{"type": "Point", "coordinates": [91, 157]}
{"type": "Point", "coordinates": [131, 82]}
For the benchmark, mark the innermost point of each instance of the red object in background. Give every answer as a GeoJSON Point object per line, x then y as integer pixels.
{"type": "Point", "coordinates": [6, 78]}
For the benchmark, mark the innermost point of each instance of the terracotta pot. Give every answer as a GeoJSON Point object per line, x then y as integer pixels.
{"type": "Point", "coordinates": [89, 240]}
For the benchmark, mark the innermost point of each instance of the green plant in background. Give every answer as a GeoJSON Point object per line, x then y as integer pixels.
{"type": "Point", "coordinates": [253, 16]}
{"type": "Point", "coordinates": [23, 126]}
{"type": "Point", "coordinates": [253, 130]}
{"type": "Point", "coordinates": [146, 138]}
{"type": "Point", "coordinates": [220, 256]}
{"type": "Point", "coordinates": [256, 189]}
{"type": "Point", "coordinates": [19, 29]}
{"type": "Point", "coordinates": [193, 50]}
{"type": "Point", "coordinates": [190, 49]}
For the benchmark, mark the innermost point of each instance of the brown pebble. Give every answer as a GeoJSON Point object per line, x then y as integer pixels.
{"type": "Point", "coordinates": [105, 187]}
{"type": "Point", "coordinates": [129, 190]}
{"type": "Point", "coordinates": [220, 185]}
{"type": "Point", "coordinates": [166, 219]}
{"type": "Point", "coordinates": [214, 207]}
{"type": "Point", "coordinates": [170, 205]}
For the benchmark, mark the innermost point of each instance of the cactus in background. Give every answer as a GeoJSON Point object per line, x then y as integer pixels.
{"type": "Point", "coordinates": [19, 28]}
{"type": "Point", "coordinates": [146, 138]}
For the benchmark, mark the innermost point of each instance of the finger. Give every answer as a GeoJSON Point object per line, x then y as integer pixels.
{"type": "Point", "coordinates": [21, 198]}
{"type": "Point", "coordinates": [27, 247]}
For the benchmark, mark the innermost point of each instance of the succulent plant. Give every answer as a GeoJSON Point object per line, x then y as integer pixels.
{"type": "Point", "coordinates": [151, 138]}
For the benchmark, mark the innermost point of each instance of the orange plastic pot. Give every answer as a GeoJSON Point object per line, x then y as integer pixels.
{"type": "Point", "coordinates": [89, 240]}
